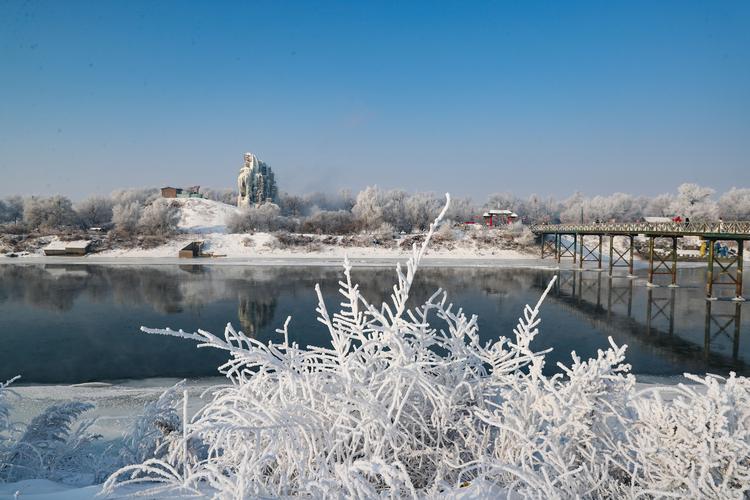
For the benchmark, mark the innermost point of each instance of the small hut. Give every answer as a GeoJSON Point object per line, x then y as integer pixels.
{"type": "Point", "coordinates": [191, 250]}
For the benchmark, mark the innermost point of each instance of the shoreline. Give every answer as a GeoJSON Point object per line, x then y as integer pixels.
{"type": "Point", "coordinates": [298, 260]}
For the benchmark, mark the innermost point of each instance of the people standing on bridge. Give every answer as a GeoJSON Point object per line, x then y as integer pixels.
{"type": "Point", "coordinates": [687, 221]}
{"type": "Point", "coordinates": [721, 225]}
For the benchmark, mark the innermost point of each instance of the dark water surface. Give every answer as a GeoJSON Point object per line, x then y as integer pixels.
{"type": "Point", "coordinates": [80, 323]}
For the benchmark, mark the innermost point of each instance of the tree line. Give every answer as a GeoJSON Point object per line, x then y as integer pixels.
{"type": "Point", "coordinates": [372, 209]}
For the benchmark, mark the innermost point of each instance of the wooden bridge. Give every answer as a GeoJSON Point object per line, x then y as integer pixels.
{"type": "Point", "coordinates": [575, 246]}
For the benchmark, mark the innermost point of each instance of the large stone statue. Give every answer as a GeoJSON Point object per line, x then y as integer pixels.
{"type": "Point", "coordinates": [256, 183]}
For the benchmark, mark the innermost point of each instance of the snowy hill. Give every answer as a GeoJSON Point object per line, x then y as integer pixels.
{"type": "Point", "coordinates": [198, 215]}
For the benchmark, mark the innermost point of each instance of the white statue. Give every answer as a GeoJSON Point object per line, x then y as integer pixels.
{"type": "Point", "coordinates": [256, 182]}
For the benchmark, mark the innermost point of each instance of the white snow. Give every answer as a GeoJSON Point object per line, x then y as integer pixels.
{"type": "Point", "coordinates": [199, 215]}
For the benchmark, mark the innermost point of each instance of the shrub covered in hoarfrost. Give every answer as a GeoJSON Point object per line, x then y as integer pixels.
{"type": "Point", "coordinates": [408, 402]}
{"type": "Point", "coordinates": [55, 445]}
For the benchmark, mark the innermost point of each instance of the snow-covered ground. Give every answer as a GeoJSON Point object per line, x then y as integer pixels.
{"type": "Point", "coordinates": [198, 215]}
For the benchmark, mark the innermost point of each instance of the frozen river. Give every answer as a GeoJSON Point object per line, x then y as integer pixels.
{"type": "Point", "coordinates": [62, 324]}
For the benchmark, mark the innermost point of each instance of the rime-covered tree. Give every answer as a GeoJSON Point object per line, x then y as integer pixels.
{"type": "Point", "coordinates": [142, 196]}
{"type": "Point", "coordinates": [695, 202]}
{"type": "Point", "coordinates": [94, 211]}
{"type": "Point", "coordinates": [572, 209]}
{"type": "Point", "coordinates": [264, 217]}
{"type": "Point", "coordinates": [125, 216]}
{"type": "Point", "coordinates": [659, 206]}
{"type": "Point", "coordinates": [228, 196]}
{"type": "Point", "coordinates": [394, 209]}
{"type": "Point", "coordinates": [160, 217]}
{"type": "Point", "coordinates": [368, 209]}
{"type": "Point", "coordinates": [421, 208]}
{"type": "Point", "coordinates": [11, 209]}
{"type": "Point", "coordinates": [735, 204]}
{"type": "Point", "coordinates": [292, 205]}
{"type": "Point", "coordinates": [52, 212]}
{"type": "Point", "coordinates": [329, 222]}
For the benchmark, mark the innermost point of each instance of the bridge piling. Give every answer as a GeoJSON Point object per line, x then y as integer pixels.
{"type": "Point", "coordinates": [714, 277]}
{"type": "Point", "coordinates": [740, 266]}
{"type": "Point", "coordinates": [710, 271]}
{"type": "Point", "coordinates": [650, 262]}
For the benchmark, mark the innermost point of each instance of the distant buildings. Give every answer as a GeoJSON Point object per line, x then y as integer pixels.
{"type": "Point", "coordinates": [493, 218]}
{"type": "Point", "coordinates": [256, 183]}
{"type": "Point", "coordinates": [172, 192]}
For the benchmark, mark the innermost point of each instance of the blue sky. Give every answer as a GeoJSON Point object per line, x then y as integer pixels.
{"type": "Point", "coordinates": [467, 97]}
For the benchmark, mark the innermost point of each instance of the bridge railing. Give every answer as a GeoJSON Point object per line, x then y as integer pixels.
{"type": "Point", "coordinates": [687, 228]}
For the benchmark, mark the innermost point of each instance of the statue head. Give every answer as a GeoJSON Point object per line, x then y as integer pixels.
{"type": "Point", "coordinates": [251, 161]}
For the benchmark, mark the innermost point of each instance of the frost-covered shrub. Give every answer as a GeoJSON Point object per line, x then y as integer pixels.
{"type": "Point", "coordinates": [228, 196]}
{"type": "Point", "coordinates": [408, 402]}
{"type": "Point", "coordinates": [265, 217]}
{"type": "Point", "coordinates": [154, 429]}
{"type": "Point", "coordinates": [140, 196]}
{"type": "Point", "coordinates": [5, 424]}
{"type": "Point", "coordinates": [160, 218]}
{"type": "Point", "coordinates": [55, 445]}
{"type": "Point", "coordinates": [329, 222]}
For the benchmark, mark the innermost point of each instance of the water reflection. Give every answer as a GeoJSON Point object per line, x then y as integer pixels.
{"type": "Point", "coordinates": [76, 323]}
{"type": "Point", "coordinates": [582, 293]}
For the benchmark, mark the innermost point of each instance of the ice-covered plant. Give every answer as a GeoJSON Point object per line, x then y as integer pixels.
{"type": "Point", "coordinates": [51, 445]}
{"type": "Point", "coordinates": [408, 402]}
{"type": "Point", "coordinates": [7, 428]}
{"type": "Point", "coordinates": [154, 428]}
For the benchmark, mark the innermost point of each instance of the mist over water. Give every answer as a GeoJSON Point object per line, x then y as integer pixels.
{"type": "Point", "coordinates": [80, 323]}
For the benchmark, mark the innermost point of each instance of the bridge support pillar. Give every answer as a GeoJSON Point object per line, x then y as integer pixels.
{"type": "Point", "coordinates": [620, 259]}
{"type": "Point", "coordinates": [550, 246]}
{"type": "Point", "coordinates": [590, 254]}
{"type": "Point", "coordinates": [725, 269]}
{"type": "Point", "coordinates": [565, 249]}
{"type": "Point", "coordinates": [662, 264]}
{"type": "Point", "coordinates": [630, 261]}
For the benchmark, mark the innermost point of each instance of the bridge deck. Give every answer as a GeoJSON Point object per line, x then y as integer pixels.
{"type": "Point", "coordinates": [734, 230]}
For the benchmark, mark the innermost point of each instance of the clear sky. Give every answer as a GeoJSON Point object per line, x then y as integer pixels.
{"type": "Point", "coordinates": [468, 97]}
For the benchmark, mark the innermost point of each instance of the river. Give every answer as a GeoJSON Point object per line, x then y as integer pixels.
{"type": "Point", "coordinates": [63, 324]}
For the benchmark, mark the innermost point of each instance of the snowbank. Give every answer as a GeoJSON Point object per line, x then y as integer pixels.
{"type": "Point", "coordinates": [198, 215]}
